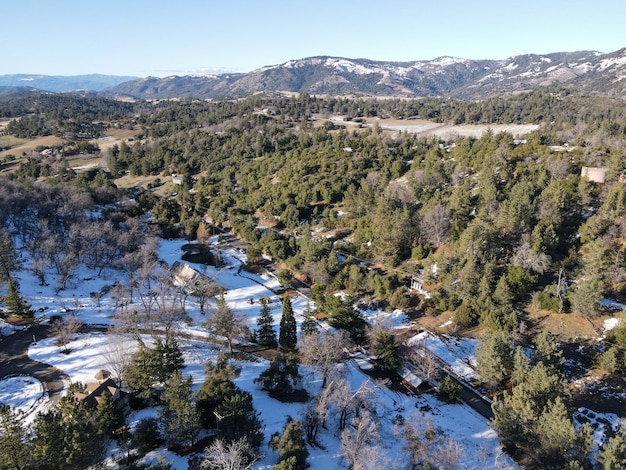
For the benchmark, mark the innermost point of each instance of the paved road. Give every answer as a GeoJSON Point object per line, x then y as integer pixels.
{"type": "Point", "coordinates": [14, 361]}
{"type": "Point", "coordinates": [475, 401]}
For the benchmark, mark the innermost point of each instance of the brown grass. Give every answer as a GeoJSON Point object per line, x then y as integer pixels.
{"type": "Point", "coordinates": [20, 146]}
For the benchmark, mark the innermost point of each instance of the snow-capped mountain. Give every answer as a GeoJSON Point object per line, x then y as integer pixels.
{"type": "Point", "coordinates": [587, 72]}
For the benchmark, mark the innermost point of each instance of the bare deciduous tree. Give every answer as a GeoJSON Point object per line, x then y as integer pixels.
{"type": "Point", "coordinates": [203, 289]}
{"type": "Point", "coordinates": [235, 455]}
{"type": "Point", "coordinates": [354, 440]}
{"type": "Point", "coordinates": [435, 225]}
{"type": "Point", "coordinates": [118, 355]}
{"type": "Point", "coordinates": [528, 258]}
{"type": "Point", "coordinates": [323, 350]}
{"type": "Point", "coordinates": [64, 331]}
{"type": "Point", "coordinates": [225, 323]}
{"type": "Point", "coordinates": [374, 458]}
{"type": "Point", "coordinates": [349, 404]}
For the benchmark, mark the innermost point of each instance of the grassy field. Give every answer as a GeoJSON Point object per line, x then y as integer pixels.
{"type": "Point", "coordinates": [425, 128]}
{"type": "Point", "coordinates": [19, 147]}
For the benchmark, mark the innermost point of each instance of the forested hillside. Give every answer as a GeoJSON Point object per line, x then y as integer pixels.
{"type": "Point", "coordinates": [501, 230]}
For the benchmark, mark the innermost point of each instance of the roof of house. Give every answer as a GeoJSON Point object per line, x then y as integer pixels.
{"type": "Point", "coordinates": [94, 391]}
{"type": "Point", "coordinates": [410, 375]}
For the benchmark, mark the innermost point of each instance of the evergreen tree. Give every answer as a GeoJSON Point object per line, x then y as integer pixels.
{"type": "Point", "coordinates": [613, 454]}
{"type": "Point", "coordinates": [61, 436]}
{"type": "Point", "coordinates": [386, 350]}
{"type": "Point", "coordinates": [107, 417]}
{"type": "Point", "coordinates": [288, 337]}
{"type": "Point", "coordinates": [557, 440]}
{"type": "Point", "coordinates": [309, 324]}
{"type": "Point", "coordinates": [9, 261]}
{"type": "Point", "coordinates": [225, 323]}
{"type": "Point", "coordinates": [494, 357]}
{"type": "Point", "coordinates": [291, 446]}
{"type": "Point", "coordinates": [516, 413]}
{"type": "Point", "coordinates": [450, 389]}
{"type": "Point", "coordinates": [15, 303]}
{"type": "Point", "coordinates": [168, 356]}
{"type": "Point", "coordinates": [150, 367]}
{"type": "Point", "coordinates": [238, 419]}
{"type": "Point", "coordinates": [147, 435]}
{"type": "Point", "coordinates": [282, 375]}
{"type": "Point", "coordinates": [548, 352]}
{"type": "Point", "coordinates": [521, 366]}
{"type": "Point", "coordinates": [217, 385]}
{"type": "Point", "coordinates": [179, 415]}
{"type": "Point", "coordinates": [14, 443]}
{"type": "Point", "coordinates": [586, 296]}
{"type": "Point", "coordinates": [266, 336]}
{"type": "Point", "coordinates": [49, 441]}
{"type": "Point", "coordinates": [343, 315]}
{"type": "Point", "coordinates": [141, 374]}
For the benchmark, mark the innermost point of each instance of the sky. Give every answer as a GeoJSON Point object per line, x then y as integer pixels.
{"type": "Point", "coordinates": [160, 38]}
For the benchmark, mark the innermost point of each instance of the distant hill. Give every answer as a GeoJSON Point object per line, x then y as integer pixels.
{"type": "Point", "coordinates": [54, 83]}
{"type": "Point", "coordinates": [587, 71]}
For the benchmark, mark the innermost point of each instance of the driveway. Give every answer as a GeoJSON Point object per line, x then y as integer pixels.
{"type": "Point", "coordinates": [14, 361]}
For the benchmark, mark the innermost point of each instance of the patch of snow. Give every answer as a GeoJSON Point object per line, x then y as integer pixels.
{"type": "Point", "coordinates": [611, 323]}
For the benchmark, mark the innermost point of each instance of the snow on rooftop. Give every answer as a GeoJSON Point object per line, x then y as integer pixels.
{"type": "Point", "coordinates": [458, 353]}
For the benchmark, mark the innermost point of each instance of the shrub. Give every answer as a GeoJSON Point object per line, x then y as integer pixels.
{"type": "Point", "coordinates": [450, 389]}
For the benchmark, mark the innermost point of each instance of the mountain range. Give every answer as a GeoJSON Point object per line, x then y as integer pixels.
{"type": "Point", "coordinates": [59, 83]}
{"type": "Point", "coordinates": [587, 72]}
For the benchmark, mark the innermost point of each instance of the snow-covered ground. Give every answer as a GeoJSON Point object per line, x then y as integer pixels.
{"type": "Point", "coordinates": [481, 448]}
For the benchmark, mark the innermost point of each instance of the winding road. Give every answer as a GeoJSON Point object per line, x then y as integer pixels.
{"type": "Point", "coordinates": [14, 361]}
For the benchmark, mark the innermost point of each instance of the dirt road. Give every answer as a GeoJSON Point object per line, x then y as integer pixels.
{"type": "Point", "coordinates": [14, 361]}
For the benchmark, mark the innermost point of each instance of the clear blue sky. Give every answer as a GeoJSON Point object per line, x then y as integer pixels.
{"type": "Point", "coordinates": [159, 38]}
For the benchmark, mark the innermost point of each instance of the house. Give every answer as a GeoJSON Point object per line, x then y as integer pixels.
{"type": "Point", "coordinates": [417, 285]}
{"type": "Point", "coordinates": [594, 174]}
{"type": "Point", "coordinates": [92, 395]}
{"type": "Point", "coordinates": [411, 377]}
{"type": "Point", "coordinates": [184, 275]}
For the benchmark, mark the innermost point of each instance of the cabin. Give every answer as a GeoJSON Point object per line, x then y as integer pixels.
{"type": "Point", "coordinates": [417, 285]}
{"type": "Point", "coordinates": [184, 275]}
{"type": "Point", "coordinates": [411, 377]}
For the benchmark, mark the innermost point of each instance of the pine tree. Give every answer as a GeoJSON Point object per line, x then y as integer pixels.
{"type": "Point", "coordinates": [216, 387]}
{"type": "Point", "coordinates": [15, 303]}
{"type": "Point", "coordinates": [170, 355]}
{"type": "Point", "coordinates": [9, 261]}
{"type": "Point", "coordinates": [309, 324]}
{"type": "Point", "coordinates": [107, 418]}
{"type": "Point", "coordinates": [282, 375]}
{"type": "Point", "coordinates": [548, 351]}
{"type": "Point", "coordinates": [291, 446]}
{"type": "Point", "coordinates": [180, 417]}
{"type": "Point", "coordinates": [613, 454]}
{"type": "Point", "coordinates": [266, 336]}
{"type": "Point", "coordinates": [225, 323]}
{"type": "Point", "coordinates": [288, 336]}
{"type": "Point", "coordinates": [386, 350]}
{"type": "Point", "coordinates": [494, 356]}
{"type": "Point", "coordinates": [239, 419]}
{"type": "Point", "coordinates": [14, 445]}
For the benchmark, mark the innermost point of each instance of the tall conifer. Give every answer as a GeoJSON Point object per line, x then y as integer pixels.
{"type": "Point", "coordinates": [265, 335]}
{"type": "Point", "coordinates": [288, 336]}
